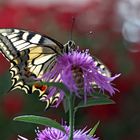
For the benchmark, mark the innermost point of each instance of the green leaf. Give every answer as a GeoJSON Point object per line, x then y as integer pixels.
{"type": "Point", "coordinates": [93, 130]}
{"type": "Point", "coordinates": [94, 101]}
{"type": "Point", "coordinates": [39, 120]}
{"type": "Point", "coordinates": [99, 95]}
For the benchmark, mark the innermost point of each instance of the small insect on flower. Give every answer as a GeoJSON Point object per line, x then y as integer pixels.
{"type": "Point", "coordinates": [54, 134]}
{"type": "Point", "coordinates": [80, 72]}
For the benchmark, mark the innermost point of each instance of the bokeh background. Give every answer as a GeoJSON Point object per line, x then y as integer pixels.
{"type": "Point", "coordinates": [111, 30]}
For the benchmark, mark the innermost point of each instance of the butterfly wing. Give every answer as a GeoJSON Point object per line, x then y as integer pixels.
{"type": "Point", "coordinates": [101, 68]}
{"type": "Point", "coordinates": [30, 55]}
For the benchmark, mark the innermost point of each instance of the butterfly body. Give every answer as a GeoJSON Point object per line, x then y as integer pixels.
{"type": "Point", "coordinates": [77, 74]}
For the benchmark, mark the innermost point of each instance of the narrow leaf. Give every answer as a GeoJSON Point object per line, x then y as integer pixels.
{"type": "Point", "coordinates": [99, 95]}
{"type": "Point", "coordinates": [93, 130]}
{"type": "Point", "coordinates": [94, 101]}
{"type": "Point", "coordinates": [39, 120]}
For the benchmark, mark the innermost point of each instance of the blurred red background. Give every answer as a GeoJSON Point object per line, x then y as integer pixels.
{"type": "Point", "coordinates": [111, 30]}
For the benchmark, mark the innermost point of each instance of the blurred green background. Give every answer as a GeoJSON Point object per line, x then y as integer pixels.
{"type": "Point", "coordinates": [110, 30]}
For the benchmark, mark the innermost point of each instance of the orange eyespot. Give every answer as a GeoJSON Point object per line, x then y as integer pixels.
{"type": "Point", "coordinates": [41, 88]}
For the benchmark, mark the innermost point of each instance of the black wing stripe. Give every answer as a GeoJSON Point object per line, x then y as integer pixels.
{"type": "Point", "coordinates": [28, 36]}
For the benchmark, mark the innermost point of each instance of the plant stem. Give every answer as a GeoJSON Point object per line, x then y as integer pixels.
{"type": "Point", "coordinates": [71, 116]}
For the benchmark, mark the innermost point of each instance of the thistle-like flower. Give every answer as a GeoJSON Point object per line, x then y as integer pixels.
{"type": "Point", "coordinates": [54, 134]}
{"type": "Point", "coordinates": [79, 72]}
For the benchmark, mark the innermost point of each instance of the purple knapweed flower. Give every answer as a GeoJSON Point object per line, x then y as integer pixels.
{"type": "Point", "coordinates": [78, 71]}
{"type": "Point", "coordinates": [54, 134]}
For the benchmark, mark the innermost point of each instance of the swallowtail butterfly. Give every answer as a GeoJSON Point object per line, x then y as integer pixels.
{"type": "Point", "coordinates": [31, 54]}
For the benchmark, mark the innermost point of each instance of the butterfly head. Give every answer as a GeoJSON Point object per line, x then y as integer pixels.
{"type": "Point", "coordinates": [70, 45]}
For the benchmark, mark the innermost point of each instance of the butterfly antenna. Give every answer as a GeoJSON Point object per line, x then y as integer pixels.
{"type": "Point", "coordinates": [72, 26]}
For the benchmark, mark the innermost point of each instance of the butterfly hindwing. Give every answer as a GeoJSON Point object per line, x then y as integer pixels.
{"type": "Point", "coordinates": [101, 68]}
